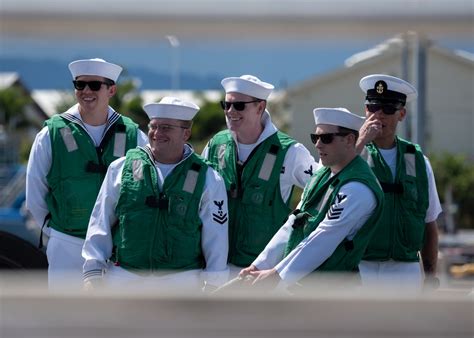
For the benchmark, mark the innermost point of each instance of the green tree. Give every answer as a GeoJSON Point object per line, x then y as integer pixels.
{"type": "Point", "coordinates": [209, 120]}
{"type": "Point", "coordinates": [14, 123]}
{"type": "Point", "coordinates": [133, 108]}
{"type": "Point", "coordinates": [454, 173]}
{"type": "Point", "coordinates": [13, 101]}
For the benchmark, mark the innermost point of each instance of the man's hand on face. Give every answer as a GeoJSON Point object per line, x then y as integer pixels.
{"type": "Point", "coordinates": [371, 128]}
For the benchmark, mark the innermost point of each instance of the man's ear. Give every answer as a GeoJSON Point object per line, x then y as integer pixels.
{"type": "Point", "coordinates": [352, 139]}
{"type": "Point", "coordinates": [403, 113]}
{"type": "Point", "coordinates": [187, 134]}
{"type": "Point", "coordinates": [262, 105]}
{"type": "Point", "coordinates": [112, 90]}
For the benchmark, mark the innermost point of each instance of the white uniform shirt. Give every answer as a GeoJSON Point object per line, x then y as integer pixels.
{"type": "Point", "coordinates": [214, 240]}
{"type": "Point", "coordinates": [39, 163]}
{"type": "Point", "coordinates": [357, 206]}
{"type": "Point", "coordinates": [298, 165]}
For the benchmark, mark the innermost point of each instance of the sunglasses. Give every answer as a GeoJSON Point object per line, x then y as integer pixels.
{"type": "Point", "coordinates": [325, 138]}
{"type": "Point", "coordinates": [93, 85]}
{"type": "Point", "coordinates": [238, 105]}
{"type": "Point", "coordinates": [388, 109]}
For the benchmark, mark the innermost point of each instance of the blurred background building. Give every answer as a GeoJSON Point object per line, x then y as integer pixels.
{"type": "Point", "coordinates": [440, 120]}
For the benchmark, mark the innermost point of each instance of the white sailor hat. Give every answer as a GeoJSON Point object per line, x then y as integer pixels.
{"type": "Point", "coordinates": [171, 108]}
{"type": "Point", "coordinates": [380, 88]}
{"type": "Point", "coordinates": [249, 85]}
{"type": "Point", "coordinates": [97, 67]}
{"type": "Point", "coordinates": [338, 117]}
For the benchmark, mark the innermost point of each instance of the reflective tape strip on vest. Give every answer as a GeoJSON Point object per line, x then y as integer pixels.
{"type": "Point", "coordinates": [267, 166]}
{"type": "Point", "coordinates": [268, 163]}
{"type": "Point", "coordinates": [119, 144]}
{"type": "Point", "coordinates": [221, 155]}
{"type": "Point", "coordinates": [410, 164]}
{"type": "Point", "coordinates": [191, 180]}
{"type": "Point", "coordinates": [137, 169]}
{"type": "Point", "coordinates": [68, 139]}
{"type": "Point", "coordinates": [370, 160]}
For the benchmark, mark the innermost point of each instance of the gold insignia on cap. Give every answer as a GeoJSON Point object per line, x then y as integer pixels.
{"type": "Point", "coordinates": [380, 88]}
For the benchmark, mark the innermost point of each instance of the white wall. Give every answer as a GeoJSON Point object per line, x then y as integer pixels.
{"type": "Point", "coordinates": [449, 124]}
{"type": "Point", "coordinates": [450, 106]}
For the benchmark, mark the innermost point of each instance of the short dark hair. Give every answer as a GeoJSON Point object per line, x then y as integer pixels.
{"type": "Point", "coordinates": [186, 123]}
{"type": "Point", "coordinates": [349, 131]}
{"type": "Point", "coordinates": [109, 82]}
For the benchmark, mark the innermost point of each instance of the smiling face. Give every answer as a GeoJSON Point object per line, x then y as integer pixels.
{"type": "Point", "coordinates": [167, 138]}
{"type": "Point", "coordinates": [94, 102]}
{"type": "Point", "coordinates": [247, 123]}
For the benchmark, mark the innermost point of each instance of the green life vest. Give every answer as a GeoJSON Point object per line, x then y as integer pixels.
{"type": "Point", "coordinates": [400, 234]}
{"type": "Point", "coordinates": [159, 230]}
{"type": "Point", "coordinates": [256, 207]}
{"type": "Point", "coordinates": [78, 168]}
{"type": "Point", "coordinates": [322, 192]}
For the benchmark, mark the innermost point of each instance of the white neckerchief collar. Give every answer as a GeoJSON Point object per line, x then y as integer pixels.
{"type": "Point", "coordinates": [73, 115]}
{"type": "Point", "coordinates": [187, 151]}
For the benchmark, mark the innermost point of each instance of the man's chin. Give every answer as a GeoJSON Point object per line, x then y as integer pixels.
{"type": "Point", "coordinates": [159, 146]}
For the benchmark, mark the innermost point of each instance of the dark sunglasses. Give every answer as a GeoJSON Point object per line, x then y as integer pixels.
{"type": "Point", "coordinates": [325, 138]}
{"type": "Point", "coordinates": [93, 85]}
{"type": "Point", "coordinates": [388, 109]}
{"type": "Point", "coordinates": [238, 105]}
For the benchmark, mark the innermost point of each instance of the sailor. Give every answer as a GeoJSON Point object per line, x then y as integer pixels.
{"type": "Point", "coordinates": [407, 230]}
{"type": "Point", "coordinates": [161, 216]}
{"type": "Point", "coordinates": [260, 166]}
{"type": "Point", "coordinates": [337, 215]}
{"type": "Point", "coordinates": [68, 161]}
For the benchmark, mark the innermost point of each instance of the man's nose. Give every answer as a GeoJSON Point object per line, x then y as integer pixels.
{"type": "Point", "coordinates": [378, 113]}
{"type": "Point", "coordinates": [86, 88]}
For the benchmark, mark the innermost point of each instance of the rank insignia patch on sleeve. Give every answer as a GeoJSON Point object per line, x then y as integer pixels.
{"type": "Point", "coordinates": [219, 217]}
{"type": "Point", "coordinates": [309, 171]}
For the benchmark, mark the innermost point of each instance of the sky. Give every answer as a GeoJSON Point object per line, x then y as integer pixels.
{"type": "Point", "coordinates": [281, 62]}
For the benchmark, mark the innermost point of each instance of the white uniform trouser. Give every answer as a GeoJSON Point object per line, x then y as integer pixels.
{"type": "Point", "coordinates": [406, 275]}
{"type": "Point", "coordinates": [65, 261]}
{"type": "Point", "coordinates": [119, 278]}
